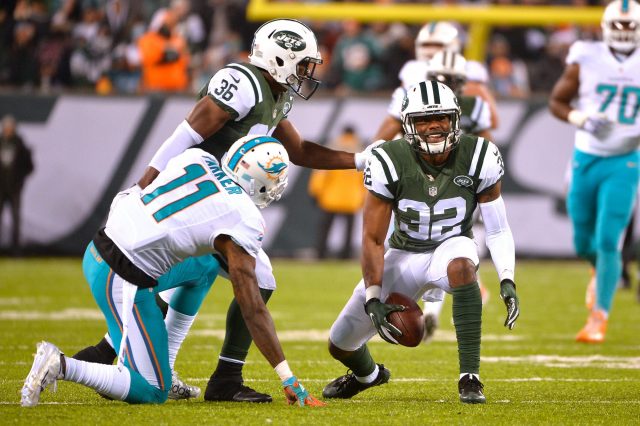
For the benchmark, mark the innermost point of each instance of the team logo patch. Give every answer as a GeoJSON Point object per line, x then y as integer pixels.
{"type": "Point", "coordinates": [274, 167]}
{"type": "Point", "coordinates": [289, 40]}
{"type": "Point", "coordinates": [433, 191]}
{"type": "Point", "coordinates": [286, 108]}
{"type": "Point", "coordinates": [464, 181]}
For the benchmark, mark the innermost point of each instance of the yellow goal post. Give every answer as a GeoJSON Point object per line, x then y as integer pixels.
{"type": "Point", "coordinates": [480, 18]}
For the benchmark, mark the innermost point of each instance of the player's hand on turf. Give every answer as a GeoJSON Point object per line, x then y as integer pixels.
{"type": "Point", "coordinates": [362, 158]}
{"type": "Point", "coordinates": [296, 393]}
{"type": "Point", "coordinates": [510, 299]}
{"type": "Point", "coordinates": [378, 312]}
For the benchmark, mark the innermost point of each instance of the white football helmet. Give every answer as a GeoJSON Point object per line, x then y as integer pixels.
{"type": "Point", "coordinates": [449, 68]}
{"type": "Point", "coordinates": [434, 37]}
{"type": "Point", "coordinates": [260, 165]}
{"type": "Point", "coordinates": [621, 25]}
{"type": "Point", "coordinates": [429, 98]}
{"type": "Point", "coordinates": [288, 50]}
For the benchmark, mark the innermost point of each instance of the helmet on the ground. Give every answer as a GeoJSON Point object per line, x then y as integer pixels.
{"type": "Point", "coordinates": [621, 25]}
{"type": "Point", "coordinates": [449, 68]}
{"type": "Point", "coordinates": [288, 50]}
{"type": "Point", "coordinates": [434, 37]}
{"type": "Point", "coordinates": [427, 99]}
{"type": "Point", "coordinates": [260, 165]}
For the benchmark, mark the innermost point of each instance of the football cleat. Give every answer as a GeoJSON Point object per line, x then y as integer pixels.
{"type": "Point", "coordinates": [45, 372]}
{"type": "Point", "coordinates": [233, 391]}
{"type": "Point", "coordinates": [431, 323]}
{"type": "Point", "coordinates": [347, 386]}
{"type": "Point", "coordinates": [595, 329]}
{"type": "Point", "coordinates": [590, 296]}
{"type": "Point", "coordinates": [470, 390]}
{"type": "Point", "coordinates": [181, 390]}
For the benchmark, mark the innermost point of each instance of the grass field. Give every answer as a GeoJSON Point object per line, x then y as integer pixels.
{"type": "Point", "coordinates": [535, 374]}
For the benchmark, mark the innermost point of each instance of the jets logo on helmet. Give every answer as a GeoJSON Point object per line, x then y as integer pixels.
{"type": "Point", "coordinates": [621, 25]}
{"type": "Point", "coordinates": [426, 100]}
{"type": "Point", "coordinates": [260, 165]}
{"type": "Point", "coordinates": [288, 50]}
{"type": "Point", "coordinates": [289, 40]}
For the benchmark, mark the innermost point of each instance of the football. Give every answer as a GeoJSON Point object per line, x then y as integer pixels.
{"type": "Point", "coordinates": [409, 321]}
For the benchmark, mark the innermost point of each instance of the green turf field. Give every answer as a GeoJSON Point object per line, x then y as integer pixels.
{"type": "Point", "coordinates": [534, 374]}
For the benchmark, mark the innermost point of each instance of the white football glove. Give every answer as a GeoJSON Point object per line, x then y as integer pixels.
{"type": "Point", "coordinates": [362, 158]}
{"type": "Point", "coordinates": [598, 124]}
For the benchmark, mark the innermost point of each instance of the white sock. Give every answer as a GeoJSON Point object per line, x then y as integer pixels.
{"type": "Point", "coordinates": [370, 378]}
{"type": "Point", "coordinates": [106, 379]}
{"type": "Point", "coordinates": [178, 326]}
{"type": "Point", "coordinates": [433, 308]}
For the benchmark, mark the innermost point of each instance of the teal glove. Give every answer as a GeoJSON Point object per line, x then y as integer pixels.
{"type": "Point", "coordinates": [295, 392]}
{"type": "Point", "coordinates": [510, 299]}
{"type": "Point", "coordinates": [378, 312]}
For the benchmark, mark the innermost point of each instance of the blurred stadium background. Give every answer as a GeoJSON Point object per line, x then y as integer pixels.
{"type": "Point", "coordinates": [70, 72]}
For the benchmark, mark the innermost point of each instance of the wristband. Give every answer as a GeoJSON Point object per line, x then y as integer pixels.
{"type": "Point", "coordinates": [577, 118]}
{"type": "Point", "coordinates": [373, 292]}
{"type": "Point", "coordinates": [283, 370]}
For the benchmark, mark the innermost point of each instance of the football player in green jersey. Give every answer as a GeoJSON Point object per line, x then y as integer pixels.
{"type": "Point", "coordinates": [432, 180]}
{"type": "Point", "coordinates": [243, 99]}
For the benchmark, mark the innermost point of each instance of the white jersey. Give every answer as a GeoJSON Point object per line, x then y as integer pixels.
{"type": "Point", "coordinates": [181, 213]}
{"type": "Point", "coordinates": [611, 87]}
{"type": "Point", "coordinates": [415, 71]}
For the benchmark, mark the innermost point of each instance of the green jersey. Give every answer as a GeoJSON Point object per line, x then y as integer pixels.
{"type": "Point", "coordinates": [431, 204]}
{"type": "Point", "coordinates": [243, 91]}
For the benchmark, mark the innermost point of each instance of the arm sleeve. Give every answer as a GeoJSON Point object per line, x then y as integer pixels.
{"type": "Point", "coordinates": [499, 238]}
{"type": "Point", "coordinates": [182, 138]}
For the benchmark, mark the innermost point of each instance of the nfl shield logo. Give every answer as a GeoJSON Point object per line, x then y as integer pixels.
{"type": "Point", "coordinates": [433, 191]}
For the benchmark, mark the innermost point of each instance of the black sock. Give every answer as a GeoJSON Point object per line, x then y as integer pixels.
{"type": "Point", "coordinates": [360, 362]}
{"type": "Point", "coordinates": [237, 339]}
{"type": "Point", "coordinates": [467, 319]}
{"type": "Point", "coordinates": [102, 353]}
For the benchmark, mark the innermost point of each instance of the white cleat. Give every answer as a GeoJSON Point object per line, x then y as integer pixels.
{"type": "Point", "coordinates": [181, 390]}
{"type": "Point", "coordinates": [46, 370]}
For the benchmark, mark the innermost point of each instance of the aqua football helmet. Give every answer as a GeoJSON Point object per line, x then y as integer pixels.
{"type": "Point", "coordinates": [260, 165]}
{"type": "Point", "coordinates": [449, 68]}
{"type": "Point", "coordinates": [288, 50]}
{"type": "Point", "coordinates": [434, 37]}
{"type": "Point", "coordinates": [426, 100]}
{"type": "Point", "coordinates": [621, 25]}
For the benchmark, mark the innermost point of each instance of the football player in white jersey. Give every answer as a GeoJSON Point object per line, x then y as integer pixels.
{"type": "Point", "coordinates": [433, 195]}
{"type": "Point", "coordinates": [434, 37]}
{"type": "Point", "coordinates": [196, 205]}
{"type": "Point", "coordinates": [599, 93]}
{"type": "Point", "coordinates": [250, 98]}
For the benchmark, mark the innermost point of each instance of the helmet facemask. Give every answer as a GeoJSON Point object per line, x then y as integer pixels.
{"type": "Point", "coordinates": [303, 83]}
{"type": "Point", "coordinates": [431, 101]}
{"type": "Point", "coordinates": [432, 142]}
{"type": "Point", "coordinates": [621, 25]}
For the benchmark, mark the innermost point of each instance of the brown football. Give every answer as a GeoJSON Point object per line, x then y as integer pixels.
{"type": "Point", "coordinates": [409, 321]}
